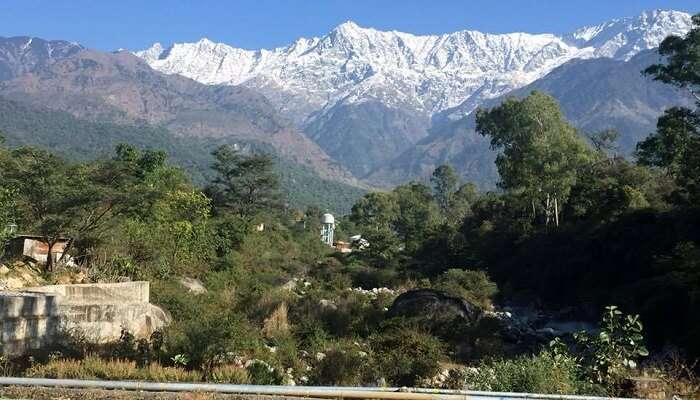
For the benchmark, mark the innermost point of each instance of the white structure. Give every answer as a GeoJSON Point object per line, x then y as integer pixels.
{"type": "Point", "coordinates": [327, 228]}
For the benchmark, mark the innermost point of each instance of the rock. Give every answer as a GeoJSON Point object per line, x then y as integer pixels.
{"type": "Point", "coordinates": [4, 270]}
{"type": "Point", "coordinates": [435, 305]}
{"type": "Point", "coordinates": [193, 285]}
{"type": "Point", "coordinates": [327, 305]}
{"type": "Point", "coordinates": [291, 285]}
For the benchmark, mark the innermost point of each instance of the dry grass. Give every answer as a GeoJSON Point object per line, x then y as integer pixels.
{"type": "Point", "coordinates": [95, 368]}
{"type": "Point", "coordinates": [229, 374]}
{"type": "Point", "coordinates": [277, 323]}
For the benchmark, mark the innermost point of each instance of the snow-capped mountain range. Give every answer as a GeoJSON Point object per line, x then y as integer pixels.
{"type": "Point", "coordinates": [427, 74]}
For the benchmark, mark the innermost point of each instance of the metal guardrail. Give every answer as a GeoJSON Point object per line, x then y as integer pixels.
{"type": "Point", "coordinates": [289, 391]}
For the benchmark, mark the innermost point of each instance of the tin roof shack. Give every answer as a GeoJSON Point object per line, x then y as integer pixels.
{"type": "Point", "coordinates": [36, 248]}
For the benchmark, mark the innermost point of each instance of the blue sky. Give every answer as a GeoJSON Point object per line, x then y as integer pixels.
{"type": "Point", "coordinates": [134, 24]}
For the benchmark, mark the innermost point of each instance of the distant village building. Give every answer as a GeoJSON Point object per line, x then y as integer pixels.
{"type": "Point", "coordinates": [36, 247]}
{"type": "Point", "coordinates": [327, 228]}
{"type": "Point", "coordinates": [343, 247]}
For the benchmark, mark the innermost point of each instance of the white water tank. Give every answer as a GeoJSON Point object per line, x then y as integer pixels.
{"type": "Point", "coordinates": [327, 228]}
{"type": "Point", "coordinates": [327, 219]}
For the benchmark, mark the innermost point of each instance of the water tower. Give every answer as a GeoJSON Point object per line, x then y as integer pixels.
{"type": "Point", "coordinates": [327, 228]}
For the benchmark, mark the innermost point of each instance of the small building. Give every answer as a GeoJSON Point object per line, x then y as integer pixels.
{"type": "Point", "coordinates": [36, 247]}
{"type": "Point", "coordinates": [327, 228]}
{"type": "Point", "coordinates": [343, 247]}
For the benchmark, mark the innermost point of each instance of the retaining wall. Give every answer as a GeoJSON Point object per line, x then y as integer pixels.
{"type": "Point", "coordinates": [98, 312]}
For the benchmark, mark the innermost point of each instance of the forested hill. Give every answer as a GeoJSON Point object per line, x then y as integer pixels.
{"type": "Point", "coordinates": [79, 139]}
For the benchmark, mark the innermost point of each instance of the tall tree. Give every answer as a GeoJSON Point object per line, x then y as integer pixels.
{"type": "Point", "coordinates": [244, 184]}
{"type": "Point", "coordinates": [418, 215]}
{"type": "Point", "coordinates": [676, 143]}
{"type": "Point", "coordinates": [541, 154]}
{"type": "Point", "coordinates": [444, 180]}
{"type": "Point", "coordinates": [668, 147]}
{"type": "Point", "coordinates": [55, 197]}
{"type": "Point", "coordinates": [682, 61]}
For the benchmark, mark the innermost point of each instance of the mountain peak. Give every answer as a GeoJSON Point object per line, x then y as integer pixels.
{"type": "Point", "coordinates": [622, 38]}
{"type": "Point", "coordinates": [431, 73]}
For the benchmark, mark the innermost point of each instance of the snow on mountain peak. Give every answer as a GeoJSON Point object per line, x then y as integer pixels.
{"type": "Point", "coordinates": [622, 38]}
{"type": "Point", "coordinates": [428, 73]}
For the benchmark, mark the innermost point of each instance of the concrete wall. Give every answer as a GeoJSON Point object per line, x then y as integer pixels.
{"type": "Point", "coordinates": [27, 320]}
{"type": "Point", "coordinates": [98, 312]}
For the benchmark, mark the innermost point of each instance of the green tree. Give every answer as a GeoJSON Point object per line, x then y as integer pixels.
{"type": "Point", "coordinates": [444, 180]}
{"type": "Point", "coordinates": [541, 154]}
{"type": "Point", "coordinates": [604, 141]}
{"type": "Point", "coordinates": [244, 184]}
{"type": "Point", "coordinates": [375, 215]}
{"type": "Point", "coordinates": [474, 286]}
{"type": "Point", "coordinates": [682, 61]}
{"type": "Point", "coordinates": [612, 187]}
{"type": "Point", "coordinates": [375, 211]}
{"type": "Point", "coordinates": [55, 197]}
{"type": "Point", "coordinates": [418, 215]}
{"type": "Point", "coordinates": [461, 203]}
{"type": "Point", "coordinates": [676, 142]}
{"type": "Point", "coordinates": [7, 215]}
{"type": "Point", "coordinates": [668, 147]}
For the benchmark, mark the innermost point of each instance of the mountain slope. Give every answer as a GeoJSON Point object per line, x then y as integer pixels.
{"type": "Point", "coordinates": [593, 94]}
{"type": "Point", "coordinates": [365, 96]}
{"type": "Point", "coordinates": [122, 88]}
{"type": "Point", "coordinates": [73, 138]}
{"type": "Point", "coordinates": [22, 54]}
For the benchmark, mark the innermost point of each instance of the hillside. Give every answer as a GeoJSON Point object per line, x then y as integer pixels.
{"type": "Point", "coordinates": [366, 96]}
{"type": "Point", "coordinates": [84, 140]}
{"type": "Point", "coordinates": [594, 94]}
{"type": "Point", "coordinates": [121, 88]}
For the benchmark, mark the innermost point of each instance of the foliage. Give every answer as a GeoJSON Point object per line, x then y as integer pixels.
{"type": "Point", "coordinates": [682, 64]}
{"type": "Point", "coordinates": [7, 215]}
{"type": "Point", "coordinates": [344, 364]}
{"type": "Point", "coordinates": [541, 153]}
{"type": "Point", "coordinates": [474, 286]}
{"type": "Point", "coordinates": [94, 367]}
{"type": "Point", "coordinates": [542, 373]}
{"type": "Point", "coordinates": [404, 355]}
{"type": "Point", "coordinates": [444, 180]}
{"type": "Point", "coordinates": [245, 185]}
{"type": "Point", "coordinates": [606, 358]}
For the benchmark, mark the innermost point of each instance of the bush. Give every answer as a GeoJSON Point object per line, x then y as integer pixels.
{"type": "Point", "coordinates": [232, 374]}
{"type": "Point", "coordinates": [474, 286]}
{"type": "Point", "coordinates": [542, 373]}
{"type": "Point", "coordinates": [405, 355]}
{"type": "Point", "coordinates": [343, 365]}
{"type": "Point", "coordinates": [262, 373]}
{"type": "Point", "coordinates": [607, 357]}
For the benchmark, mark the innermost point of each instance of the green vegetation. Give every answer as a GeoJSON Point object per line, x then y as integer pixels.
{"type": "Point", "coordinates": [81, 140]}
{"type": "Point", "coordinates": [573, 227]}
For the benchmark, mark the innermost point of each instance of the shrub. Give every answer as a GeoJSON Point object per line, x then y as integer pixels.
{"type": "Point", "coordinates": [405, 356]}
{"type": "Point", "coordinates": [232, 374]}
{"type": "Point", "coordinates": [343, 365]}
{"type": "Point", "coordinates": [262, 373]}
{"type": "Point", "coordinates": [542, 373]}
{"type": "Point", "coordinates": [474, 286]}
{"type": "Point", "coordinates": [608, 356]}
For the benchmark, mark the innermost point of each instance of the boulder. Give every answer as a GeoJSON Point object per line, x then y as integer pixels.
{"type": "Point", "coordinates": [434, 305]}
{"type": "Point", "coordinates": [192, 285]}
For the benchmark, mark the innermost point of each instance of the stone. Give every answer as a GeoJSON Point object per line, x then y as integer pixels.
{"type": "Point", "coordinates": [4, 270]}
{"type": "Point", "coordinates": [327, 305]}
{"type": "Point", "coordinates": [193, 285]}
{"type": "Point", "coordinates": [434, 305]}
